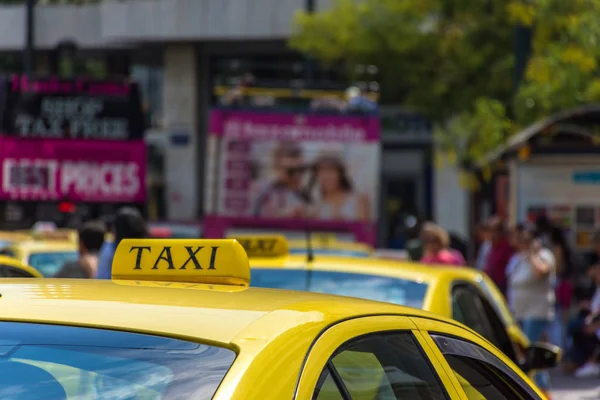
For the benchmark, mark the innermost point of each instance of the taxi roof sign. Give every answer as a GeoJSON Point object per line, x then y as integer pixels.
{"type": "Point", "coordinates": [264, 246]}
{"type": "Point", "coordinates": [210, 261]}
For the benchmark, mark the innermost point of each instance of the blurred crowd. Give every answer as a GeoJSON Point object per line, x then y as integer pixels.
{"type": "Point", "coordinates": [95, 252]}
{"type": "Point", "coordinates": [554, 295]}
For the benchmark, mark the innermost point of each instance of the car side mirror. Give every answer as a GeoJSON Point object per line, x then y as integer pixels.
{"type": "Point", "coordinates": [541, 356]}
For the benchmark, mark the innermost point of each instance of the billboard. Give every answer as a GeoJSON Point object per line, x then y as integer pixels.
{"type": "Point", "coordinates": [71, 139]}
{"type": "Point", "coordinates": [71, 109]}
{"type": "Point", "coordinates": [77, 170]}
{"type": "Point", "coordinates": [296, 171]}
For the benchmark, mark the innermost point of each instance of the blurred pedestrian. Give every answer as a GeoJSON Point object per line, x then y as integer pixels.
{"type": "Point", "coordinates": [436, 245]}
{"type": "Point", "coordinates": [531, 277]}
{"type": "Point", "coordinates": [544, 228]}
{"type": "Point", "coordinates": [91, 238]}
{"type": "Point", "coordinates": [580, 343]}
{"type": "Point", "coordinates": [499, 254]}
{"type": "Point", "coordinates": [357, 101]}
{"type": "Point", "coordinates": [591, 328]}
{"type": "Point", "coordinates": [485, 244]}
{"type": "Point", "coordinates": [414, 244]}
{"type": "Point", "coordinates": [593, 257]}
{"type": "Point", "coordinates": [564, 285]}
{"type": "Point", "coordinates": [128, 224]}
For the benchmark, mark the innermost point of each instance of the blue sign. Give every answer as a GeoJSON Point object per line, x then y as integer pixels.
{"type": "Point", "coordinates": [180, 138]}
{"type": "Point", "coordinates": [586, 177]}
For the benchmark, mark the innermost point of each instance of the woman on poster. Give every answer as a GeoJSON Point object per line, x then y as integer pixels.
{"type": "Point", "coordinates": [337, 198]}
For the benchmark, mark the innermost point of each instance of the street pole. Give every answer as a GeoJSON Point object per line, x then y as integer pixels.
{"type": "Point", "coordinates": [523, 38]}
{"type": "Point", "coordinates": [29, 55]}
{"type": "Point", "coordinates": [309, 65]}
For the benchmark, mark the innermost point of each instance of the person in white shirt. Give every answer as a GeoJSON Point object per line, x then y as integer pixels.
{"type": "Point", "coordinates": [531, 274]}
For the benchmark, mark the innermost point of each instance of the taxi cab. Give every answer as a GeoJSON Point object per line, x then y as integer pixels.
{"type": "Point", "coordinates": [464, 294]}
{"type": "Point", "coordinates": [178, 321]}
{"type": "Point", "coordinates": [46, 252]}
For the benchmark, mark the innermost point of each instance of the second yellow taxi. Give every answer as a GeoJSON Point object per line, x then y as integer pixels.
{"type": "Point", "coordinates": [464, 294]}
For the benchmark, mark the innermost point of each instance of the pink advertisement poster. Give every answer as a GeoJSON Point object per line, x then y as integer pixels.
{"type": "Point", "coordinates": [76, 170]}
{"type": "Point", "coordinates": [292, 171]}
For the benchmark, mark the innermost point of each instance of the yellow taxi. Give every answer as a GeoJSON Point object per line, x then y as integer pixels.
{"type": "Point", "coordinates": [45, 253]}
{"type": "Point", "coordinates": [464, 294]}
{"type": "Point", "coordinates": [178, 321]}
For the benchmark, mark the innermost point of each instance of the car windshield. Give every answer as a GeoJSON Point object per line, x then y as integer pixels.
{"type": "Point", "coordinates": [51, 262]}
{"type": "Point", "coordinates": [372, 287]}
{"type": "Point", "coordinates": [59, 362]}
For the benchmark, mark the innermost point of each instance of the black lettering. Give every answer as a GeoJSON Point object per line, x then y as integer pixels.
{"type": "Point", "coordinates": [192, 257]}
{"type": "Point", "coordinates": [259, 246]}
{"type": "Point", "coordinates": [269, 245]}
{"type": "Point", "coordinates": [213, 256]}
{"type": "Point", "coordinates": [165, 255]}
{"type": "Point", "coordinates": [245, 244]}
{"type": "Point", "coordinates": [138, 258]}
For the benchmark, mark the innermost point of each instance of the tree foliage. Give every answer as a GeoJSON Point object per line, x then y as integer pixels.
{"type": "Point", "coordinates": [453, 60]}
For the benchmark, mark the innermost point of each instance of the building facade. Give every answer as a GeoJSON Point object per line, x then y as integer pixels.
{"type": "Point", "coordinates": [179, 51]}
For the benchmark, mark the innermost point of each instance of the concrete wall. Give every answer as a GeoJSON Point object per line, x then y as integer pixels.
{"type": "Point", "coordinates": [451, 200]}
{"type": "Point", "coordinates": [113, 23]}
{"type": "Point", "coordinates": [181, 121]}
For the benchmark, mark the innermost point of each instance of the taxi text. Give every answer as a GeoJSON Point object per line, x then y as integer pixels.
{"type": "Point", "coordinates": [165, 258]}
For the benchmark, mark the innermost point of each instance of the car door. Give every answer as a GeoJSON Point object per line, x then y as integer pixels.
{"type": "Point", "coordinates": [472, 308]}
{"type": "Point", "coordinates": [478, 370]}
{"type": "Point", "coordinates": [377, 357]}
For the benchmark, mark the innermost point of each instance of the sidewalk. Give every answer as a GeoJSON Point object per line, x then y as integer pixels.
{"type": "Point", "coordinates": [568, 388]}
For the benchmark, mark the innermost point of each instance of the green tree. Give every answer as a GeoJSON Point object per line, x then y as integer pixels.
{"type": "Point", "coordinates": [453, 60]}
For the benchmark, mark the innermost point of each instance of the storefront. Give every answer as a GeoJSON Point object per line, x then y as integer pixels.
{"type": "Point", "coordinates": [553, 169]}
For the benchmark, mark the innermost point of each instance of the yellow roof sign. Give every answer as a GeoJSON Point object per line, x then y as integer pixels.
{"type": "Point", "coordinates": [59, 234]}
{"type": "Point", "coordinates": [264, 246]}
{"type": "Point", "coordinates": [212, 261]}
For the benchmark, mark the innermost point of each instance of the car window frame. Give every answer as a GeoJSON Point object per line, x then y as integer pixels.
{"type": "Point", "coordinates": [456, 347]}
{"type": "Point", "coordinates": [8, 252]}
{"type": "Point", "coordinates": [25, 273]}
{"type": "Point", "coordinates": [505, 343]}
{"type": "Point", "coordinates": [331, 338]}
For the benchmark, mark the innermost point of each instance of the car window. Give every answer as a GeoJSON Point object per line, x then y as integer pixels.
{"type": "Point", "coordinates": [383, 366]}
{"type": "Point", "coordinates": [51, 262]}
{"type": "Point", "coordinates": [470, 307]}
{"type": "Point", "coordinates": [371, 287]}
{"type": "Point", "coordinates": [498, 302]}
{"type": "Point", "coordinates": [326, 388]}
{"type": "Point", "coordinates": [481, 374]}
{"type": "Point", "coordinates": [60, 362]}
{"type": "Point", "coordinates": [7, 271]}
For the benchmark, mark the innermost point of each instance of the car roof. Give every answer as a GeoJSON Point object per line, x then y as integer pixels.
{"type": "Point", "coordinates": [209, 313]}
{"type": "Point", "coordinates": [45, 245]}
{"type": "Point", "coordinates": [395, 268]}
